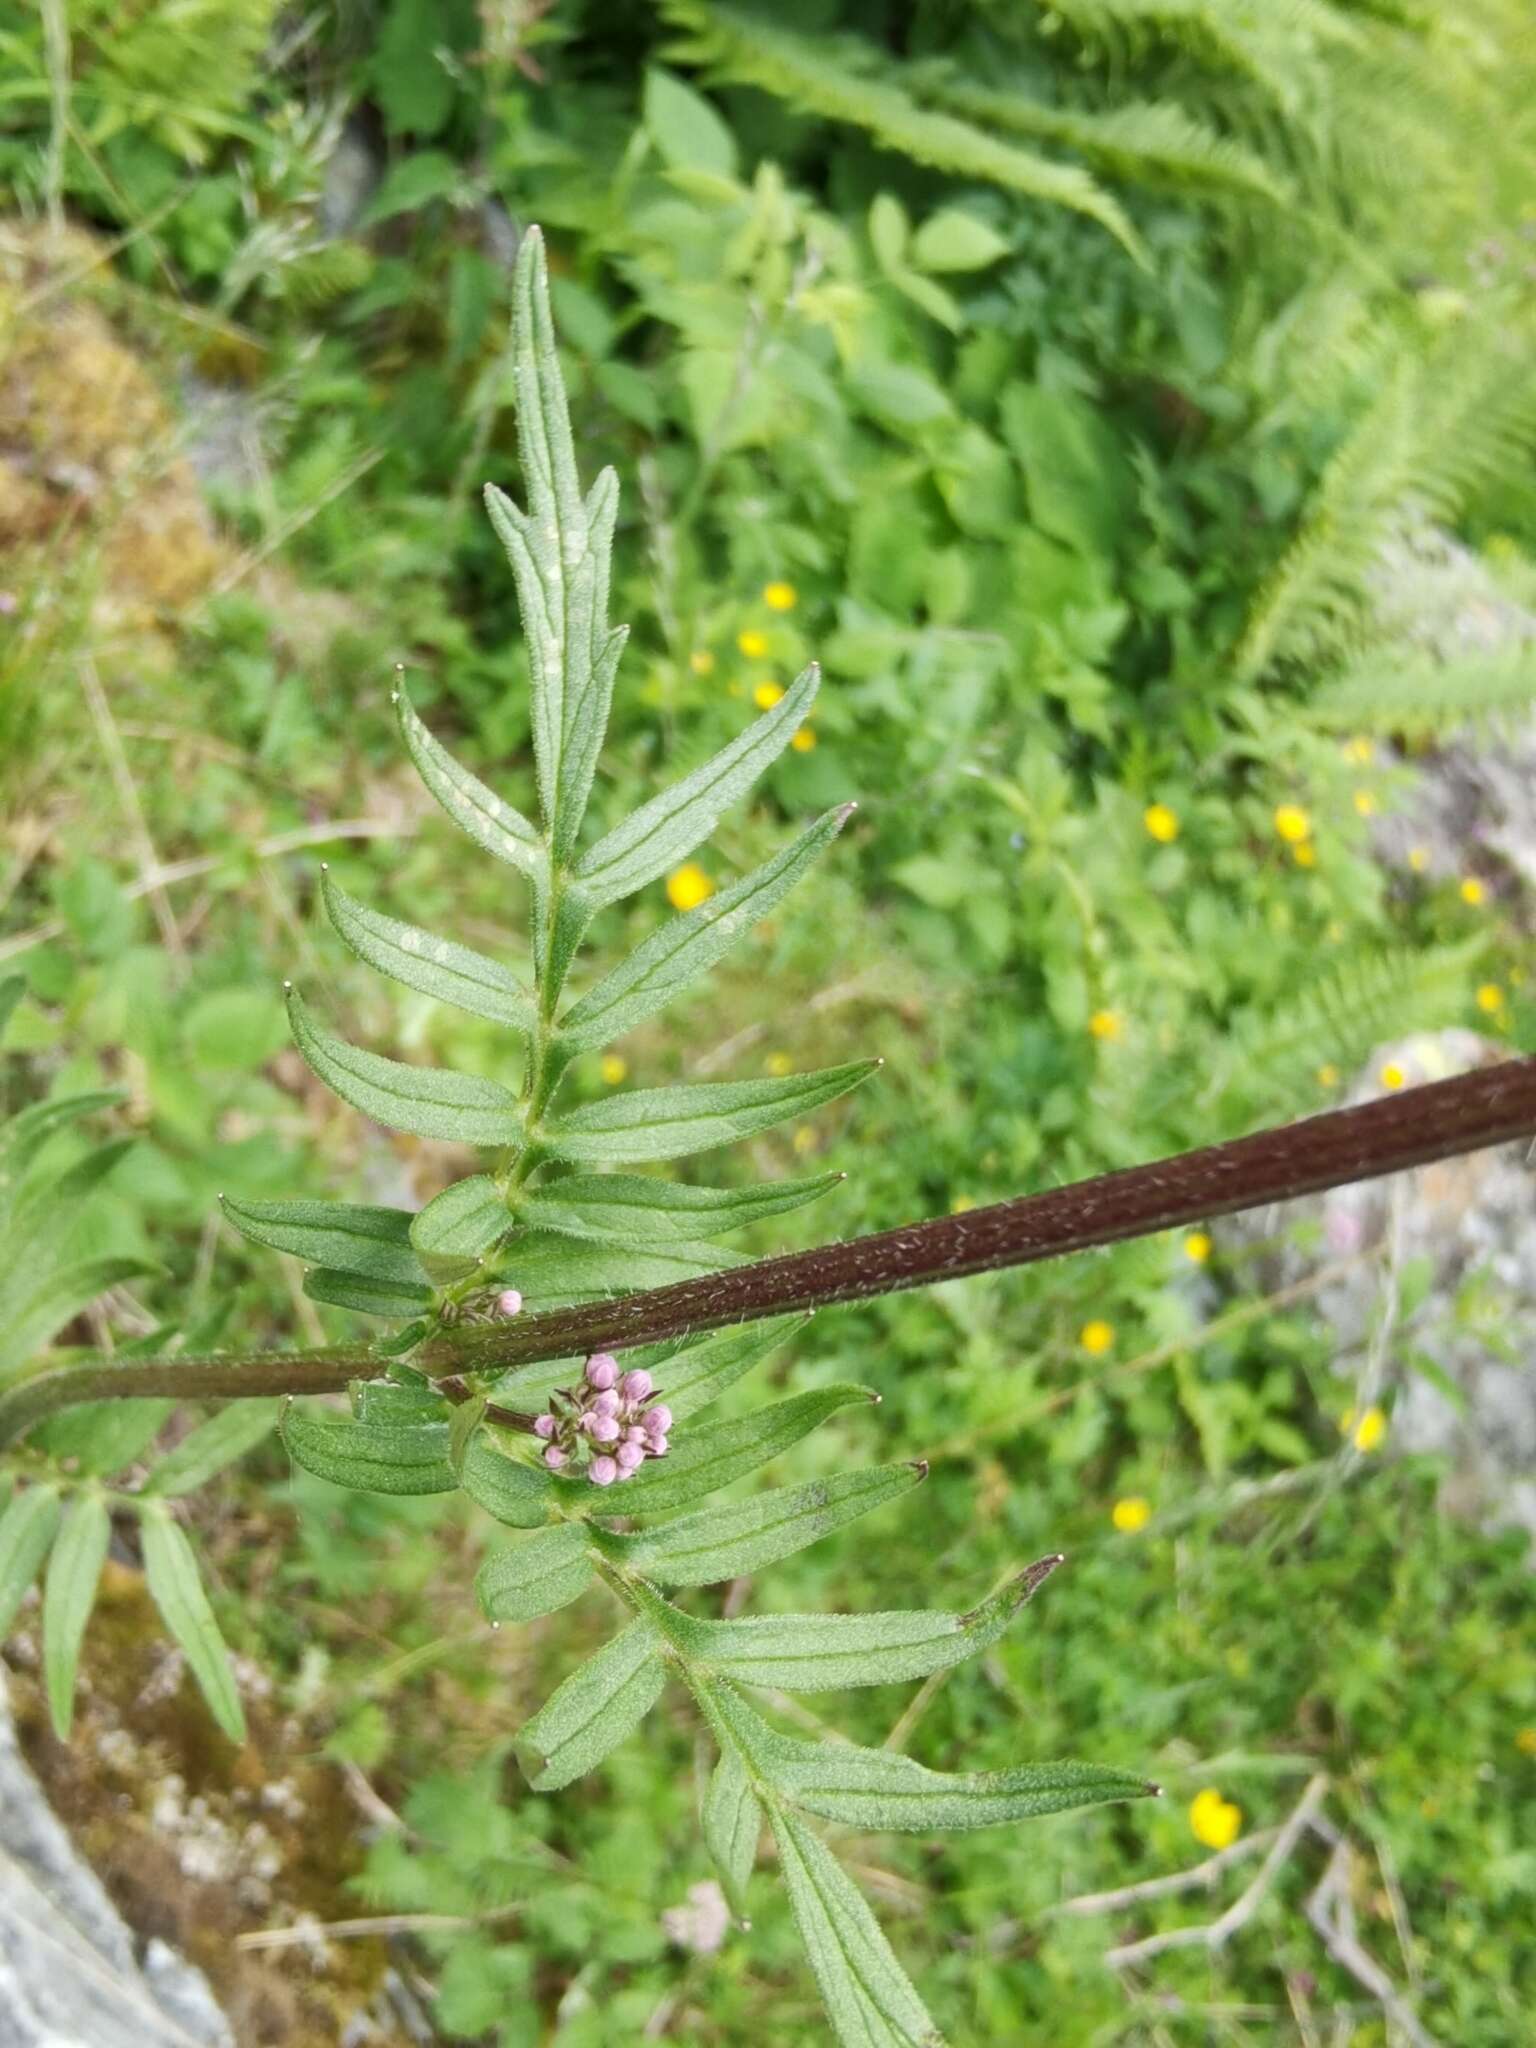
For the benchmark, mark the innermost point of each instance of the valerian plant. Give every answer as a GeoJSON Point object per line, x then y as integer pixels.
{"type": "Point", "coordinates": [506, 1297]}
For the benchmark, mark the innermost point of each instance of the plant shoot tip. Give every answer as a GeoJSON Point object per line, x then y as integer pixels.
{"type": "Point", "coordinates": [920, 1467]}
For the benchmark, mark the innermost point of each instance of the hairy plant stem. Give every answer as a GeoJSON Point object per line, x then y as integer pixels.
{"type": "Point", "coordinates": [1438, 1121]}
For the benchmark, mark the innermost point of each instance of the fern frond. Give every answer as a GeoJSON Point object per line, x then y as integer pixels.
{"type": "Point", "coordinates": [1416, 694]}
{"type": "Point", "coordinates": [1274, 44]}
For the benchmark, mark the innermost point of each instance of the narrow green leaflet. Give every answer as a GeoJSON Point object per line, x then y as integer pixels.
{"type": "Point", "coordinates": [493, 825]}
{"type": "Point", "coordinates": [732, 1819]}
{"type": "Point", "coordinates": [429, 1102]}
{"type": "Point", "coordinates": [669, 827]}
{"type": "Point", "coordinates": [436, 967]}
{"type": "Point", "coordinates": [176, 1586]}
{"type": "Point", "coordinates": [207, 1450]}
{"type": "Point", "coordinates": [36, 1303]}
{"type": "Point", "coordinates": [822, 1652]}
{"type": "Point", "coordinates": [725, 1543]}
{"type": "Point", "coordinates": [373, 1243]}
{"type": "Point", "coordinates": [665, 1123]}
{"type": "Point", "coordinates": [633, 1207]}
{"type": "Point", "coordinates": [693, 1373]}
{"type": "Point", "coordinates": [27, 1530]}
{"type": "Point", "coordinates": [688, 946]}
{"type": "Point", "coordinates": [49, 1208]}
{"type": "Point", "coordinates": [385, 1401]}
{"type": "Point", "coordinates": [519, 1495]}
{"type": "Point", "coordinates": [69, 1594]}
{"type": "Point", "coordinates": [703, 1459]}
{"type": "Point", "coordinates": [600, 1703]}
{"type": "Point", "coordinates": [372, 1457]}
{"type": "Point", "coordinates": [551, 1271]}
{"type": "Point", "coordinates": [545, 1572]}
{"type": "Point", "coordinates": [30, 1128]}
{"type": "Point", "coordinates": [387, 1298]}
{"type": "Point", "coordinates": [459, 1226]}
{"type": "Point", "coordinates": [868, 1998]}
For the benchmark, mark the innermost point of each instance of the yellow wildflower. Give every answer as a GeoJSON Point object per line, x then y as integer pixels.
{"type": "Point", "coordinates": [1369, 1430]}
{"type": "Point", "coordinates": [780, 597]}
{"type": "Point", "coordinates": [753, 643]}
{"type": "Point", "coordinates": [803, 740]}
{"type": "Point", "coordinates": [804, 1140]}
{"type": "Point", "coordinates": [1328, 1074]}
{"type": "Point", "coordinates": [1490, 997]}
{"type": "Point", "coordinates": [702, 662]}
{"type": "Point", "coordinates": [1525, 1742]}
{"type": "Point", "coordinates": [1358, 749]}
{"type": "Point", "coordinates": [1304, 855]}
{"type": "Point", "coordinates": [1293, 824]}
{"type": "Point", "coordinates": [1096, 1337]}
{"type": "Point", "coordinates": [778, 1064]}
{"type": "Point", "coordinates": [1215, 1822]}
{"type": "Point", "coordinates": [1472, 891]}
{"type": "Point", "coordinates": [962, 1205]}
{"type": "Point", "coordinates": [1365, 803]}
{"type": "Point", "coordinates": [613, 1068]}
{"type": "Point", "coordinates": [1418, 859]}
{"type": "Point", "coordinates": [1131, 1514]}
{"type": "Point", "coordinates": [688, 887]}
{"type": "Point", "coordinates": [1161, 822]}
{"type": "Point", "coordinates": [1105, 1024]}
{"type": "Point", "coordinates": [1197, 1246]}
{"type": "Point", "coordinates": [1392, 1075]}
{"type": "Point", "coordinates": [766, 695]}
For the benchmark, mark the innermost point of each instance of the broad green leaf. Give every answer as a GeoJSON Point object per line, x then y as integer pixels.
{"type": "Point", "coordinates": [389, 1298]}
{"type": "Point", "coordinates": [688, 946]}
{"type": "Point", "coordinates": [69, 1594]}
{"type": "Point", "coordinates": [27, 1529]}
{"type": "Point", "coordinates": [732, 1819]}
{"type": "Point", "coordinates": [687, 131]}
{"type": "Point", "coordinates": [456, 1228]}
{"type": "Point", "coordinates": [176, 1586]}
{"type": "Point", "coordinates": [823, 1652]}
{"type": "Point", "coordinates": [633, 1207]}
{"type": "Point", "coordinates": [545, 1572]}
{"type": "Point", "coordinates": [868, 1998]}
{"type": "Point", "coordinates": [373, 1243]}
{"type": "Point", "coordinates": [26, 1132]}
{"type": "Point", "coordinates": [600, 1703]}
{"type": "Point", "coordinates": [436, 967]}
{"type": "Point", "coordinates": [102, 1436]}
{"type": "Point", "coordinates": [429, 1102]}
{"type": "Point", "coordinates": [954, 240]}
{"type": "Point", "coordinates": [385, 1401]}
{"type": "Point", "coordinates": [725, 1543]}
{"type": "Point", "coordinates": [463, 1423]}
{"type": "Point", "coordinates": [668, 828]}
{"type": "Point", "coordinates": [519, 1495]}
{"type": "Point", "coordinates": [704, 1457]}
{"type": "Point", "coordinates": [551, 1271]}
{"type": "Point", "coordinates": [693, 1374]}
{"type": "Point", "coordinates": [205, 1451]}
{"type": "Point", "coordinates": [493, 825]}
{"type": "Point", "coordinates": [372, 1457]}
{"type": "Point", "coordinates": [35, 1306]}
{"type": "Point", "coordinates": [664, 1123]}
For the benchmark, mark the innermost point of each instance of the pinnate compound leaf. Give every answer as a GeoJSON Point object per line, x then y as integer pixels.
{"type": "Point", "coordinates": [732, 1819]}
{"type": "Point", "coordinates": [496, 827]}
{"type": "Point", "coordinates": [727, 1542]}
{"type": "Point", "coordinates": [388, 1298]}
{"type": "Point", "coordinates": [74, 1572]}
{"type": "Point", "coordinates": [206, 1451]}
{"type": "Point", "coordinates": [456, 1228]}
{"type": "Point", "coordinates": [704, 1458]}
{"type": "Point", "coordinates": [545, 1572]}
{"type": "Point", "coordinates": [27, 1530]}
{"type": "Point", "coordinates": [666, 1123]}
{"type": "Point", "coordinates": [176, 1586]}
{"type": "Point", "coordinates": [428, 1102]}
{"type": "Point", "coordinates": [372, 1457]}
{"type": "Point", "coordinates": [343, 1236]}
{"type": "Point", "coordinates": [868, 1998]}
{"type": "Point", "coordinates": [519, 1495]}
{"type": "Point", "coordinates": [631, 1208]}
{"type": "Point", "coordinates": [688, 946]}
{"type": "Point", "coordinates": [824, 1652]}
{"type": "Point", "coordinates": [436, 967]}
{"type": "Point", "coordinates": [668, 828]}
{"type": "Point", "coordinates": [589, 1715]}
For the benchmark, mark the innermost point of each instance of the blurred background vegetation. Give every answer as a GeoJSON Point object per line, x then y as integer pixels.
{"type": "Point", "coordinates": [1107, 392]}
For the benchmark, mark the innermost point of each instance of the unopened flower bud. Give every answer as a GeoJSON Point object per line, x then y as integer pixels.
{"type": "Point", "coordinates": [602, 1371]}
{"type": "Point", "coordinates": [554, 1457]}
{"type": "Point", "coordinates": [657, 1446]}
{"type": "Point", "coordinates": [602, 1471]}
{"type": "Point", "coordinates": [544, 1426]}
{"type": "Point", "coordinates": [509, 1302]}
{"type": "Point", "coordinates": [635, 1385]}
{"type": "Point", "coordinates": [603, 1429]}
{"type": "Point", "coordinates": [634, 1434]}
{"type": "Point", "coordinates": [628, 1456]}
{"type": "Point", "coordinates": [658, 1420]}
{"type": "Point", "coordinates": [606, 1403]}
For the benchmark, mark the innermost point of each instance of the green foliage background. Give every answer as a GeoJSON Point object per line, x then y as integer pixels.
{"type": "Point", "coordinates": [1071, 365]}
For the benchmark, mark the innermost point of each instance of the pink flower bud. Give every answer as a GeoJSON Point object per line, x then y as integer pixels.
{"type": "Point", "coordinates": [602, 1471]}
{"type": "Point", "coordinates": [602, 1371]}
{"type": "Point", "coordinates": [544, 1426]}
{"type": "Point", "coordinates": [628, 1456]}
{"type": "Point", "coordinates": [603, 1429]}
{"type": "Point", "coordinates": [658, 1420]}
{"type": "Point", "coordinates": [634, 1434]}
{"type": "Point", "coordinates": [605, 1403]}
{"type": "Point", "coordinates": [554, 1457]}
{"type": "Point", "coordinates": [509, 1302]}
{"type": "Point", "coordinates": [657, 1446]}
{"type": "Point", "coordinates": [635, 1385]}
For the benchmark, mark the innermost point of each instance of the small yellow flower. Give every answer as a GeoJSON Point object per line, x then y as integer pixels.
{"type": "Point", "coordinates": [702, 662]}
{"type": "Point", "coordinates": [688, 887]}
{"type": "Point", "coordinates": [1525, 1742]}
{"type": "Point", "coordinates": [1304, 855]}
{"type": "Point", "coordinates": [766, 695]}
{"type": "Point", "coordinates": [962, 1205]}
{"type": "Point", "coordinates": [1197, 1246]}
{"type": "Point", "coordinates": [1096, 1337]}
{"type": "Point", "coordinates": [780, 597]}
{"type": "Point", "coordinates": [1369, 1430]}
{"type": "Point", "coordinates": [1359, 749]}
{"type": "Point", "coordinates": [1490, 997]}
{"type": "Point", "coordinates": [1293, 824]}
{"type": "Point", "coordinates": [803, 740]}
{"type": "Point", "coordinates": [778, 1064]}
{"type": "Point", "coordinates": [1418, 859]}
{"type": "Point", "coordinates": [1215, 1822]}
{"type": "Point", "coordinates": [1392, 1076]}
{"type": "Point", "coordinates": [753, 643]}
{"type": "Point", "coordinates": [613, 1068]}
{"type": "Point", "coordinates": [1131, 1514]}
{"type": "Point", "coordinates": [1472, 891]}
{"type": "Point", "coordinates": [1365, 803]}
{"type": "Point", "coordinates": [804, 1140]}
{"type": "Point", "coordinates": [1161, 822]}
{"type": "Point", "coordinates": [1105, 1024]}
{"type": "Point", "coordinates": [1328, 1074]}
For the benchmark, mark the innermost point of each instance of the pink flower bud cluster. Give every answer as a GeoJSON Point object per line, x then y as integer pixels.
{"type": "Point", "coordinates": [612, 1416]}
